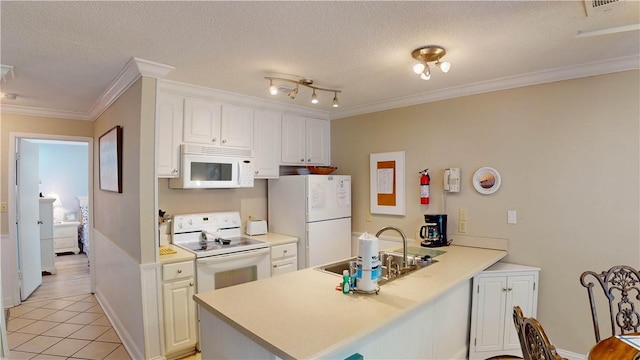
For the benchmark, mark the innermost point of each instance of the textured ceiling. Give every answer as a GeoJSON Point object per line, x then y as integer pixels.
{"type": "Point", "coordinates": [66, 54]}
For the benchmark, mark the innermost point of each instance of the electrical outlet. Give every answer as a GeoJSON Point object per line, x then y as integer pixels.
{"type": "Point", "coordinates": [462, 227]}
{"type": "Point", "coordinates": [3, 207]}
{"type": "Point", "coordinates": [368, 217]}
{"type": "Point", "coordinates": [462, 214]}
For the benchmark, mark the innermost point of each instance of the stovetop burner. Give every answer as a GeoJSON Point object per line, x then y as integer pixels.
{"type": "Point", "coordinates": [221, 231]}
{"type": "Point", "coordinates": [233, 243]}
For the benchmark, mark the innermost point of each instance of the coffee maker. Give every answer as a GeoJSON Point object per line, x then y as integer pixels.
{"type": "Point", "coordinates": [434, 232]}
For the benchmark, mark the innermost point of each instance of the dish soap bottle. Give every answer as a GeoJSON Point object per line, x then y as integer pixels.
{"type": "Point", "coordinates": [346, 280]}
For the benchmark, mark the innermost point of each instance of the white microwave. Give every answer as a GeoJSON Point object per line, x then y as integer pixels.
{"type": "Point", "coordinates": [206, 167]}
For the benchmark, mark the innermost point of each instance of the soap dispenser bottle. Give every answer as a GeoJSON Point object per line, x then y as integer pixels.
{"type": "Point", "coordinates": [346, 281]}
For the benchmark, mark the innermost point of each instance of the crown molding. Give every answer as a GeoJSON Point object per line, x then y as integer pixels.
{"type": "Point", "coordinates": [131, 72]}
{"type": "Point", "coordinates": [558, 74]}
{"type": "Point", "coordinates": [138, 67]}
{"type": "Point", "coordinates": [31, 111]}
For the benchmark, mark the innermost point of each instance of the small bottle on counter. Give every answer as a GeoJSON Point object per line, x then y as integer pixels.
{"type": "Point", "coordinates": [346, 281]}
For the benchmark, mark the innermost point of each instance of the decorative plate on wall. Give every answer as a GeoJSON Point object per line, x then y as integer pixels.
{"type": "Point", "coordinates": [486, 180]}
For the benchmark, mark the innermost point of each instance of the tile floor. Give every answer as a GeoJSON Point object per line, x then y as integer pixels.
{"type": "Point", "coordinates": [72, 327]}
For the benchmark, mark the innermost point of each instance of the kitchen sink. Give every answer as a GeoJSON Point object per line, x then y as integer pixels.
{"type": "Point", "coordinates": [391, 265]}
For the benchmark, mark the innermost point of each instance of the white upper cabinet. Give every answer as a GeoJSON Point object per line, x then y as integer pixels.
{"type": "Point", "coordinates": [202, 122]}
{"type": "Point", "coordinates": [237, 126]}
{"type": "Point", "coordinates": [215, 124]}
{"type": "Point", "coordinates": [305, 141]}
{"type": "Point", "coordinates": [169, 115]}
{"type": "Point", "coordinates": [266, 143]}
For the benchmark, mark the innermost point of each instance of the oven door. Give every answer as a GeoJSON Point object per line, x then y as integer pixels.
{"type": "Point", "coordinates": [217, 272]}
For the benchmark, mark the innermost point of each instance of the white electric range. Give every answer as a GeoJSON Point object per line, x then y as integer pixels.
{"type": "Point", "coordinates": [223, 256]}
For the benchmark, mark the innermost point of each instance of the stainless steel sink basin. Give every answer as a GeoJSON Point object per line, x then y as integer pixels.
{"type": "Point", "coordinates": [391, 266]}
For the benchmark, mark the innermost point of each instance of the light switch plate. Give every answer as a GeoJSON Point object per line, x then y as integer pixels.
{"type": "Point", "coordinates": [462, 214]}
{"type": "Point", "coordinates": [462, 227]}
{"type": "Point", "coordinates": [512, 217]}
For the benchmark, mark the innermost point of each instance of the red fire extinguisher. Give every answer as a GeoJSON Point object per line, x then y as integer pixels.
{"type": "Point", "coordinates": [424, 186]}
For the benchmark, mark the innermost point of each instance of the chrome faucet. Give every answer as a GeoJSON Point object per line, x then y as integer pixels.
{"type": "Point", "coordinates": [405, 263]}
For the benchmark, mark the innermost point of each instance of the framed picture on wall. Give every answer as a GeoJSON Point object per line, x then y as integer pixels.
{"type": "Point", "coordinates": [386, 179]}
{"type": "Point", "coordinates": [110, 153]}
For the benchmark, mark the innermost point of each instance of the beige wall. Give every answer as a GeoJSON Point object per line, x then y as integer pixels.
{"type": "Point", "coordinates": [127, 218]}
{"type": "Point", "coordinates": [568, 154]}
{"type": "Point", "coordinates": [249, 201]}
{"type": "Point", "coordinates": [10, 123]}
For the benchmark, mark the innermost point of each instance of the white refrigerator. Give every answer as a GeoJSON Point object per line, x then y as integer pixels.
{"type": "Point", "coordinates": [317, 210]}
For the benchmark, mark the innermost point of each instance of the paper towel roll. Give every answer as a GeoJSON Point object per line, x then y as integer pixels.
{"type": "Point", "coordinates": [368, 263]}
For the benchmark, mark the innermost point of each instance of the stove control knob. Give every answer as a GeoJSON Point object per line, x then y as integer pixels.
{"type": "Point", "coordinates": [190, 222]}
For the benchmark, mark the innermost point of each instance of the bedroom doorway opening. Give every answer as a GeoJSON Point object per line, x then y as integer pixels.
{"type": "Point", "coordinates": [64, 180]}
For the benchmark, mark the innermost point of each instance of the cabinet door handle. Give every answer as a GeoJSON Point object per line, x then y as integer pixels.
{"type": "Point", "coordinates": [509, 289]}
{"type": "Point", "coordinates": [191, 283]}
{"type": "Point", "coordinates": [284, 251]}
{"type": "Point", "coordinates": [179, 271]}
{"type": "Point", "coordinates": [39, 222]}
{"type": "Point", "coordinates": [308, 160]}
{"type": "Point", "coordinates": [256, 172]}
{"type": "Point", "coordinates": [302, 160]}
{"type": "Point", "coordinates": [214, 140]}
{"type": "Point", "coordinates": [224, 141]}
{"type": "Point", "coordinates": [175, 171]}
{"type": "Point", "coordinates": [275, 266]}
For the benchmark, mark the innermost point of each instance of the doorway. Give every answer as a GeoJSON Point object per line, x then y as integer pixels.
{"type": "Point", "coordinates": [62, 169]}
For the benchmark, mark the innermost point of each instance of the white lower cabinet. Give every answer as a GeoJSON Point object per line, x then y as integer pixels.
{"type": "Point", "coordinates": [180, 322]}
{"type": "Point", "coordinates": [495, 292]}
{"type": "Point", "coordinates": [284, 258]}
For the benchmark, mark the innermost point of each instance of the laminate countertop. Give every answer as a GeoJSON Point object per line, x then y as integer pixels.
{"type": "Point", "coordinates": [300, 315]}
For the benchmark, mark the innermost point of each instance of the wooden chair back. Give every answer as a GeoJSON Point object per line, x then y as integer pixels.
{"type": "Point", "coordinates": [537, 344]}
{"type": "Point", "coordinates": [621, 288]}
{"type": "Point", "coordinates": [518, 322]}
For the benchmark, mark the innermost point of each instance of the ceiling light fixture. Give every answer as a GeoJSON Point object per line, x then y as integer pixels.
{"type": "Point", "coordinates": [427, 54]}
{"type": "Point", "coordinates": [304, 82]}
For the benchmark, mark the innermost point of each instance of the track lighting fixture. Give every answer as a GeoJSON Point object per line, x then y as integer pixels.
{"type": "Point", "coordinates": [427, 54]}
{"type": "Point", "coordinates": [273, 89]}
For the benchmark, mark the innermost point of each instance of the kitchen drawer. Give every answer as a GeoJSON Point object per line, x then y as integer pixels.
{"type": "Point", "coordinates": [283, 251]}
{"type": "Point", "coordinates": [284, 266]}
{"type": "Point", "coordinates": [62, 231]}
{"type": "Point", "coordinates": [176, 271]}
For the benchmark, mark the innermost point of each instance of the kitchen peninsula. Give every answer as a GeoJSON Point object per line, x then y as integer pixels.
{"type": "Point", "coordinates": [300, 315]}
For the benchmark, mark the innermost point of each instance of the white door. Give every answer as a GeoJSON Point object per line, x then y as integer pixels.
{"type": "Point", "coordinates": [328, 197]}
{"type": "Point", "coordinates": [236, 129]}
{"type": "Point", "coordinates": [328, 241]}
{"type": "Point", "coordinates": [491, 309]}
{"type": "Point", "coordinates": [201, 122]}
{"type": "Point", "coordinates": [29, 264]}
{"type": "Point", "coordinates": [519, 292]}
{"type": "Point", "coordinates": [317, 141]}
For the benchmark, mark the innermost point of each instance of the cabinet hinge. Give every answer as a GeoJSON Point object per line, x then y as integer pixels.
{"type": "Point", "coordinates": [478, 291]}
{"type": "Point", "coordinates": [475, 341]}
{"type": "Point", "coordinates": [534, 286]}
